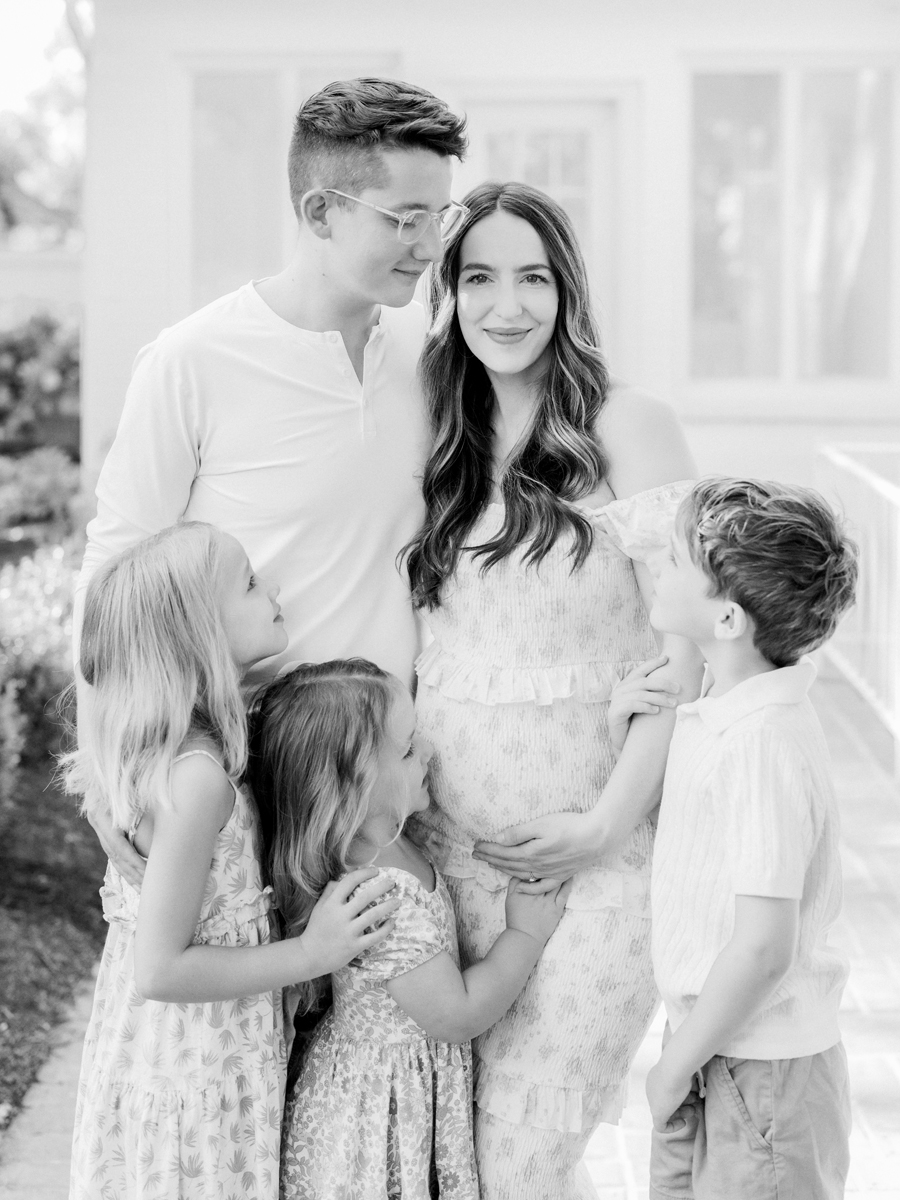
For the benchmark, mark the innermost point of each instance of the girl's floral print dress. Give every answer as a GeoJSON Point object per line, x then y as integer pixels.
{"type": "Point", "coordinates": [513, 695]}
{"type": "Point", "coordinates": [183, 1101]}
{"type": "Point", "coordinates": [381, 1109]}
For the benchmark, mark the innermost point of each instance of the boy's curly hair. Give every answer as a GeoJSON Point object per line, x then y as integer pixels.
{"type": "Point", "coordinates": [777, 550]}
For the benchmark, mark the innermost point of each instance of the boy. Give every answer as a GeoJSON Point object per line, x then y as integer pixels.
{"type": "Point", "coordinates": [746, 875]}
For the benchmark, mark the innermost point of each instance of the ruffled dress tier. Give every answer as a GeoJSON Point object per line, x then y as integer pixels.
{"type": "Point", "coordinates": [513, 694]}
{"type": "Point", "coordinates": [381, 1109]}
{"type": "Point", "coordinates": [183, 1100]}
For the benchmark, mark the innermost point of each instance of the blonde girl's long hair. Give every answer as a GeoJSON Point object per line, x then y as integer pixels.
{"type": "Point", "coordinates": [315, 736]}
{"type": "Point", "coordinates": [156, 656]}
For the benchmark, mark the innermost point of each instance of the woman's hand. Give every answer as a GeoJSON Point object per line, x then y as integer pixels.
{"type": "Point", "coordinates": [643, 690]}
{"type": "Point", "coordinates": [118, 849]}
{"type": "Point", "coordinates": [548, 849]}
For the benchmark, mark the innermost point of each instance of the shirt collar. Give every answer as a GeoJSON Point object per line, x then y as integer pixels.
{"type": "Point", "coordinates": [785, 685]}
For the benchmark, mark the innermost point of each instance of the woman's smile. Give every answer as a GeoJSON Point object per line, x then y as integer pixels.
{"type": "Point", "coordinates": [507, 336]}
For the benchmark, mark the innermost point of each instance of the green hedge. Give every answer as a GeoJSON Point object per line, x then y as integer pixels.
{"type": "Point", "coordinates": [35, 657]}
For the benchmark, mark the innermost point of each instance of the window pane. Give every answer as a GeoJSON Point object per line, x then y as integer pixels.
{"type": "Point", "coordinates": [238, 180]}
{"type": "Point", "coordinates": [736, 302]}
{"type": "Point", "coordinates": [554, 160]}
{"type": "Point", "coordinates": [843, 289]}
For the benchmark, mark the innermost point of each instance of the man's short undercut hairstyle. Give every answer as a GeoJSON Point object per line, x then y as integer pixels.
{"type": "Point", "coordinates": [340, 130]}
{"type": "Point", "coordinates": [777, 550]}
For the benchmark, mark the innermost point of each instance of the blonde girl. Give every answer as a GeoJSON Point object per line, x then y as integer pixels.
{"type": "Point", "coordinates": [182, 1076]}
{"type": "Point", "coordinates": [383, 1105]}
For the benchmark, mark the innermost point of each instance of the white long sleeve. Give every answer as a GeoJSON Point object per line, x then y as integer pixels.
{"type": "Point", "coordinates": [236, 417]}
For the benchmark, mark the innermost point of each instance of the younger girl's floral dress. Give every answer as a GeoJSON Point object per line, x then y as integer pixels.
{"type": "Point", "coordinates": [183, 1100]}
{"type": "Point", "coordinates": [381, 1109]}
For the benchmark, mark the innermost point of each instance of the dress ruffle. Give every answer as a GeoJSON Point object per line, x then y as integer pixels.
{"type": "Point", "coordinates": [227, 925]}
{"type": "Point", "coordinates": [593, 889]}
{"type": "Point", "coordinates": [640, 525]}
{"type": "Point", "coordinates": [546, 1106]}
{"type": "Point", "coordinates": [485, 683]}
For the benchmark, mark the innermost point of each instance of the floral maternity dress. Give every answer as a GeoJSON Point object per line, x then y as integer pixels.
{"type": "Point", "coordinates": [513, 694]}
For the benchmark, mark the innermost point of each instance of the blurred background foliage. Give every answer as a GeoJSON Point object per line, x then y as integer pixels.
{"type": "Point", "coordinates": [51, 864]}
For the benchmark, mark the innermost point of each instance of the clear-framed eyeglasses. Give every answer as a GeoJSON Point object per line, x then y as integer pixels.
{"type": "Point", "coordinates": [412, 225]}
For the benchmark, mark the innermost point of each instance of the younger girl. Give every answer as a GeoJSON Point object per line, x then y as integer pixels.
{"type": "Point", "coordinates": [383, 1106]}
{"type": "Point", "coordinates": [181, 1082]}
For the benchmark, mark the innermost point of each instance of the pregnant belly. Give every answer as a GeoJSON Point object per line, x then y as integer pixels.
{"type": "Point", "coordinates": [499, 765]}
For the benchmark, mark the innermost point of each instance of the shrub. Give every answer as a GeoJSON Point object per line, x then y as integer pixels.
{"type": "Point", "coordinates": [39, 383]}
{"type": "Point", "coordinates": [39, 486]}
{"type": "Point", "coordinates": [35, 656]}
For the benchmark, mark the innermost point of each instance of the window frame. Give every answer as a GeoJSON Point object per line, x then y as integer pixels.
{"type": "Point", "coordinates": [621, 328]}
{"type": "Point", "coordinates": [788, 396]}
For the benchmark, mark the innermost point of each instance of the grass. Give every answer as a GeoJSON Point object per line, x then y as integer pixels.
{"type": "Point", "coordinates": [51, 927]}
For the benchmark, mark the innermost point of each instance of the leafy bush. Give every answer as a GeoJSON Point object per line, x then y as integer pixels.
{"type": "Point", "coordinates": [39, 381]}
{"type": "Point", "coordinates": [35, 657]}
{"type": "Point", "coordinates": [39, 486]}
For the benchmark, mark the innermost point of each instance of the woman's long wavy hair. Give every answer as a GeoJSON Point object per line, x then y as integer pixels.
{"type": "Point", "coordinates": [315, 736]}
{"type": "Point", "coordinates": [156, 656]}
{"type": "Point", "coordinates": [560, 459]}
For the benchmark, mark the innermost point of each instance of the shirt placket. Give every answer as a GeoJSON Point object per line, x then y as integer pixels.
{"type": "Point", "coordinates": [362, 392]}
{"type": "Point", "coordinates": [371, 361]}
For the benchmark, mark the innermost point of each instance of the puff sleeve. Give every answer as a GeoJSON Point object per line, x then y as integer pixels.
{"type": "Point", "coordinates": [640, 525]}
{"type": "Point", "coordinates": [415, 939]}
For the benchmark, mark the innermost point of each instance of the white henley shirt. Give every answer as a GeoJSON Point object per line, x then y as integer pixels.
{"type": "Point", "coordinates": [236, 417]}
{"type": "Point", "coordinates": [748, 808]}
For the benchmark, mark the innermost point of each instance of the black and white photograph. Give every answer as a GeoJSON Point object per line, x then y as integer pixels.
{"type": "Point", "coordinates": [449, 600]}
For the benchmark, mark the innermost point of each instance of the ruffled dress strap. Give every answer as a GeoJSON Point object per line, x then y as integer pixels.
{"type": "Point", "coordinates": [641, 525]}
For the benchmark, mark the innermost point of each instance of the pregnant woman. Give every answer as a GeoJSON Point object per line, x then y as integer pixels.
{"type": "Point", "coordinates": [547, 488]}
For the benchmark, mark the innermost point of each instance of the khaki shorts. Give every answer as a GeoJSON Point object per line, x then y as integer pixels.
{"type": "Point", "coordinates": [764, 1131]}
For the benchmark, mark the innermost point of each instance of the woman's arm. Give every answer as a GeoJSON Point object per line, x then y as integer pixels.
{"type": "Point", "coordinates": [168, 967]}
{"type": "Point", "coordinates": [646, 449]}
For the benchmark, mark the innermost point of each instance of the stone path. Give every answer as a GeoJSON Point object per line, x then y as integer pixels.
{"type": "Point", "coordinates": [35, 1150]}
{"type": "Point", "coordinates": [34, 1153]}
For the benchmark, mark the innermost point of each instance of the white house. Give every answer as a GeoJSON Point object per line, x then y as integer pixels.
{"type": "Point", "coordinates": [733, 168]}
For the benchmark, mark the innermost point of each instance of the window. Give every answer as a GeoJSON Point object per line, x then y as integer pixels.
{"type": "Point", "coordinates": [572, 149]}
{"type": "Point", "coordinates": [791, 238]}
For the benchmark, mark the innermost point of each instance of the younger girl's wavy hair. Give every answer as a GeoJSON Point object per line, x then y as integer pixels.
{"type": "Point", "coordinates": [315, 736]}
{"type": "Point", "coordinates": [560, 460]}
{"type": "Point", "coordinates": [155, 653]}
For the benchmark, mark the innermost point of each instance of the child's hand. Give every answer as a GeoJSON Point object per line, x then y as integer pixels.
{"type": "Point", "coordinates": [117, 847]}
{"type": "Point", "coordinates": [342, 924]}
{"type": "Point", "coordinates": [639, 692]}
{"type": "Point", "coordinates": [671, 1098]}
{"type": "Point", "coordinates": [533, 912]}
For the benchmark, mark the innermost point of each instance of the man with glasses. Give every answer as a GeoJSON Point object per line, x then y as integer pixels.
{"type": "Point", "coordinates": [288, 412]}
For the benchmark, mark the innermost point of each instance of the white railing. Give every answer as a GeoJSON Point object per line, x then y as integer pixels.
{"type": "Point", "coordinates": [864, 481]}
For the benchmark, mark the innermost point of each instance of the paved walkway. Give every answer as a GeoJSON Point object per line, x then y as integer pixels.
{"type": "Point", "coordinates": [34, 1153]}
